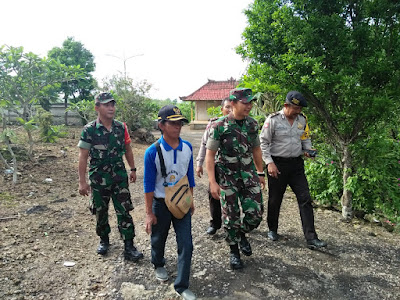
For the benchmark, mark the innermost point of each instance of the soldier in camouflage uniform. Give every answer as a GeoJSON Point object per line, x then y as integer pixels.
{"type": "Point", "coordinates": [106, 141]}
{"type": "Point", "coordinates": [240, 169]}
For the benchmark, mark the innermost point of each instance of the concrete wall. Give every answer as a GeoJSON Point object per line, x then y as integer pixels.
{"type": "Point", "coordinates": [58, 112]}
{"type": "Point", "coordinates": [201, 109]}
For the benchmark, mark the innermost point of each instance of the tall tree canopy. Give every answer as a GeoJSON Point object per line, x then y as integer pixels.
{"type": "Point", "coordinates": [343, 55]}
{"type": "Point", "coordinates": [133, 106]}
{"type": "Point", "coordinates": [73, 53]}
{"type": "Point", "coordinates": [25, 79]}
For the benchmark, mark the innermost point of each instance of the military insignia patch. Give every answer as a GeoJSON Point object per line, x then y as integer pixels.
{"type": "Point", "coordinates": [177, 110]}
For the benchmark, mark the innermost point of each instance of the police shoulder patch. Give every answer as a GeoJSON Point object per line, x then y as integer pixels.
{"type": "Point", "coordinates": [274, 114]}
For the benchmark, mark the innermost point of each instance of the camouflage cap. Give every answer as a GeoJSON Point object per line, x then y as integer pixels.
{"type": "Point", "coordinates": [296, 98]}
{"type": "Point", "coordinates": [170, 113]}
{"type": "Point", "coordinates": [242, 94]}
{"type": "Point", "coordinates": [104, 98]}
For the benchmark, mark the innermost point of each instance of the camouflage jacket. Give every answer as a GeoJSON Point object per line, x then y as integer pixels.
{"type": "Point", "coordinates": [234, 143]}
{"type": "Point", "coordinates": [106, 151]}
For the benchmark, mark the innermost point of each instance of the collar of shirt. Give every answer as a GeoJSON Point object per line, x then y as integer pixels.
{"type": "Point", "coordinates": [99, 124]}
{"type": "Point", "coordinates": [231, 118]}
{"type": "Point", "coordinates": [283, 115]}
{"type": "Point", "coordinates": [167, 147]}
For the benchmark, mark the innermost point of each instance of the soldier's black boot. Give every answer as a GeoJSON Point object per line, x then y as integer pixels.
{"type": "Point", "coordinates": [103, 246]}
{"type": "Point", "coordinates": [245, 245]}
{"type": "Point", "coordinates": [234, 260]}
{"type": "Point", "coordinates": [130, 252]}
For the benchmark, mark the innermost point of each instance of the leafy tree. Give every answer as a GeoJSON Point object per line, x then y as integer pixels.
{"type": "Point", "coordinates": [344, 56]}
{"type": "Point", "coordinates": [49, 133]}
{"type": "Point", "coordinates": [73, 53]}
{"type": "Point", "coordinates": [133, 106]}
{"type": "Point", "coordinates": [85, 110]}
{"type": "Point", "coordinates": [214, 111]}
{"type": "Point", "coordinates": [24, 77]}
{"type": "Point", "coordinates": [186, 108]}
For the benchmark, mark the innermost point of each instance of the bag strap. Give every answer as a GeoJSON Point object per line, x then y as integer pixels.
{"type": "Point", "coordinates": [162, 164]}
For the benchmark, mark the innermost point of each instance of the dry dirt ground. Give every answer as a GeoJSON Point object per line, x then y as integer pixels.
{"type": "Point", "coordinates": [45, 226]}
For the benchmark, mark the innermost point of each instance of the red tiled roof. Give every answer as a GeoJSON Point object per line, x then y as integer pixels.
{"type": "Point", "coordinates": [212, 90]}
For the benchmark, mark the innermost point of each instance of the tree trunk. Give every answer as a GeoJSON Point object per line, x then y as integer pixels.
{"type": "Point", "coordinates": [14, 160]}
{"type": "Point", "coordinates": [66, 112]}
{"type": "Point", "coordinates": [346, 199]}
{"type": "Point", "coordinates": [6, 165]}
{"type": "Point", "coordinates": [30, 142]}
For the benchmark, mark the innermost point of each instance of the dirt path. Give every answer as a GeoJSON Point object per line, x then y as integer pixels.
{"type": "Point", "coordinates": [46, 225]}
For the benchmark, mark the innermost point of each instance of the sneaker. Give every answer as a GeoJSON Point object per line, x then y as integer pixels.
{"type": "Point", "coordinates": [161, 274]}
{"type": "Point", "coordinates": [316, 244]}
{"type": "Point", "coordinates": [187, 295]}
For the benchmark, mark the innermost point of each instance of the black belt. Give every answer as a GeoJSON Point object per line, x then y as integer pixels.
{"type": "Point", "coordinates": [159, 199]}
{"type": "Point", "coordinates": [278, 158]}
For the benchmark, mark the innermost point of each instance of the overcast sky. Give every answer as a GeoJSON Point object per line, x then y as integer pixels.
{"type": "Point", "coordinates": [184, 42]}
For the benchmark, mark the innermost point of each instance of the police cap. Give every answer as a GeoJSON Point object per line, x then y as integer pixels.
{"type": "Point", "coordinates": [296, 98]}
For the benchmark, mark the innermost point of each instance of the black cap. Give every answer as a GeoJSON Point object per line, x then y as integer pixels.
{"type": "Point", "coordinates": [170, 113]}
{"type": "Point", "coordinates": [296, 98]}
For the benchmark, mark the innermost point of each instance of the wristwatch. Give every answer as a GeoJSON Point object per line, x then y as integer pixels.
{"type": "Point", "coordinates": [133, 170]}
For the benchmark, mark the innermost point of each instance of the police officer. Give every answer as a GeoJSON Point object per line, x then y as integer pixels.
{"type": "Point", "coordinates": [215, 205]}
{"type": "Point", "coordinates": [106, 141]}
{"type": "Point", "coordinates": [284, 138]}
{"type": "Point", "coordinates": [240, 171]}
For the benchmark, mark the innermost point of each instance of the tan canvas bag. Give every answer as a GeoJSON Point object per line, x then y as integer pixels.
{"type": "Point", "coordinates": [178, 197]}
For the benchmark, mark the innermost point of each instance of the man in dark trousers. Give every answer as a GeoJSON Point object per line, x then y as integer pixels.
{"type": "Point", "coordinates": [177, 155]}
{"type": "Point", "coordinates": [215, 205]}
{"type": "Point", "coordinates": [284, 139]}
{"type": "Point", "coordinates": [106, 141]}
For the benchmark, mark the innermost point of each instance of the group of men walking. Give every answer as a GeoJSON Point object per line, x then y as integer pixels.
{"type": "Point", "coordinates": [233, 152]}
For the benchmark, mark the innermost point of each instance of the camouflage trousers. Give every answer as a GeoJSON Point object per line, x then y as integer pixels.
{"type": "Point", "coordinates": [242, 210]}
{"type": "Point", "coordinates": [121, 197]}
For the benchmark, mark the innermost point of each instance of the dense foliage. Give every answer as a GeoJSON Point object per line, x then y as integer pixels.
{"type": "Point", "coordinates": [25, 79]}
{"type": "Point", "coordinates": [344, 56]}
{"type": "Point", "coordinates": [73, 53]}
{"type": "Point", "coordinates": [133, 106]}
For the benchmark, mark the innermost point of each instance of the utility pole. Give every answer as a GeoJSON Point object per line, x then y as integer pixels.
{"type": "Point", "coordinates": [124, 59]}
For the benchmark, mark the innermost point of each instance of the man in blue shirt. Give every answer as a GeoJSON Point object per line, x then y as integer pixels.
{"type": "Point", "coordinates": [178, 159]}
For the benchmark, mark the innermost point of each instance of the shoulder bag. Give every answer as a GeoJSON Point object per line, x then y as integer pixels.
{"type": "Point", "coordinates": [178, 197]}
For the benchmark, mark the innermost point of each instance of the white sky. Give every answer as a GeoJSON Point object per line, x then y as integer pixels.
{"type": "Point", "coordinates": [184, 42]}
